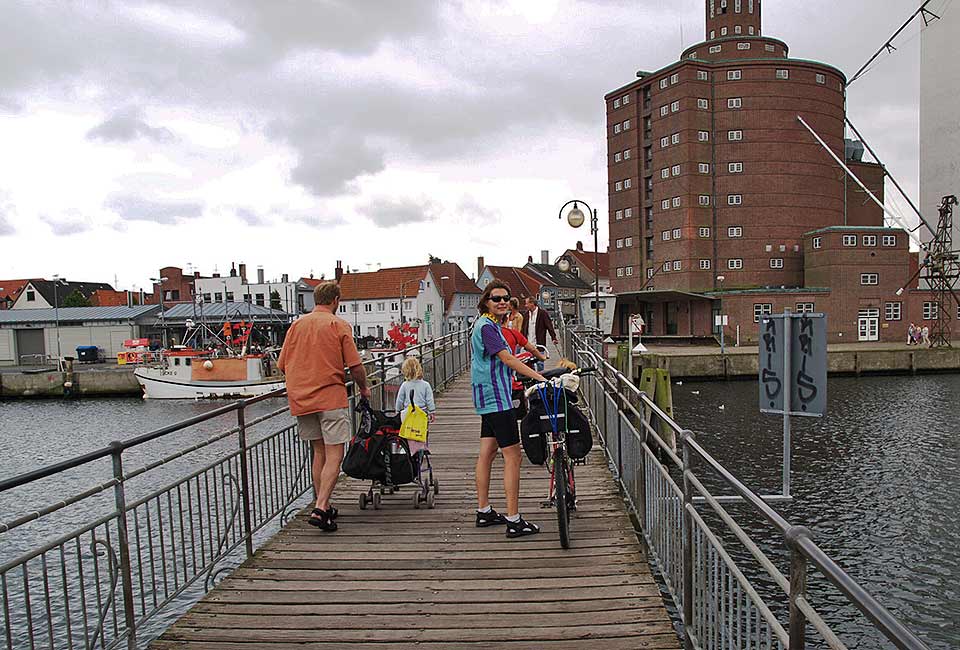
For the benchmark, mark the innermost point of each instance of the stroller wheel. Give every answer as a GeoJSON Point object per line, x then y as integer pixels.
{"type": "Point", "coordinates": [376, 501]}
{"type": "Point", "coordinates": [416, 500]}
{"type": "Point", "coordinates": [431, 501]}
{"type": "Point", "coordinates": [436, 486]}
{"type": "Point", "coordinates": [363, 500]}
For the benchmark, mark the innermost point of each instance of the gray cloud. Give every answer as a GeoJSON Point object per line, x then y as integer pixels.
{"type": "Point", "coordinates": [389, 212]}
{"type": "Point", "coordinates": [6, 228]}
{"type": "Point", "coordinates": [69, 226]}
{"type": "Point", "coordinates": [136, 208]}
{"type": "Point", "coordinates": [126, 125]}
{"type": "Point", "coordinates": [471, 212]}
{"type": "Point", "coordinates": [251, 217]}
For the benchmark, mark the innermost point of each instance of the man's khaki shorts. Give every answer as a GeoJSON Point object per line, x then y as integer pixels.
{"type": "Point", "coordinates": [332, 427]}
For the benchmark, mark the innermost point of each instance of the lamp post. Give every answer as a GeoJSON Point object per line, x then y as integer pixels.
{"type": "Point", "coordinates": [443, 306]}
{"type": "Point", "coordinates": [402, 285]}
{"type": "Point", "coordinates": [576, 218]}
{"type": "Point", "coordinates": [163, 325]}
{"type": "Point", "coordinates": [56, 314]}
{"type": "Point", "coordinates": [720, 280]}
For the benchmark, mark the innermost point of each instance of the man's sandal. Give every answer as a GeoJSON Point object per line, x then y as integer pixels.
{"type": "Point", "coordinates": [323, 520]}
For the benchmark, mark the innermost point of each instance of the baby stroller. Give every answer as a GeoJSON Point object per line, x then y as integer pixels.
{"type": "Point", "coordinates": [377, 453]}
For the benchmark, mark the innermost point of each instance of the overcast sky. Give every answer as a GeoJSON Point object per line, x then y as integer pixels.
{"type": "Point", "coordinates": [290, 134]}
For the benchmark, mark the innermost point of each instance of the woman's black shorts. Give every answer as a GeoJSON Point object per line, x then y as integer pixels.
{"type": "Point", "coordinates": [502, 426]}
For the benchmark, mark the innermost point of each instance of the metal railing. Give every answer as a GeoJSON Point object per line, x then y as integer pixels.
{"type": "Point", "coordinates": [145, 542]}
{"type": "Point", "coordinates": [700, 550]}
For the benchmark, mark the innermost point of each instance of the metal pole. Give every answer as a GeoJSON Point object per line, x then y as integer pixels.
{"type": "Point", "coordinates": [630, 345]}
{"type": "Point", "coordinates": [688, 628]}
{"type": "Point", "coordinates": [126, 574]}
{"type": "Point", "coordinates": [383, 381]}
{"type": "Point", "coordinates": [596, 269]}
{"type": "Point", "coordinates": [619, 433]}
{"type": "Point", "coordinates": [798, 586]}
{"type": "Point", "coordinates": [244, 480]}
{"type": "Point", "coordinates": [56, 316]}
{"type": "Point", "coordinates": [787, 398]}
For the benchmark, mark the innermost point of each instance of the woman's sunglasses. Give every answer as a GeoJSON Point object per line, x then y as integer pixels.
{"type": "Point", "coordinates": [500, 298]}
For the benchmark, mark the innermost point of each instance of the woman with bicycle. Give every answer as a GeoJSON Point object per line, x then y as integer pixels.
{"type": "Point", "coordinates": [491, 380]}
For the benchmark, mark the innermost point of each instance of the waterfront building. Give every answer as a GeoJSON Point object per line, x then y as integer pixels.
{"type": "Point", "coordinates": [581, 263]}
{"type": "Point", "coordinates": [292, 297]}
{"type": "Point", "coordinates": [939, 126]}
{"type": "Point", "coordinates": [460, 295]}
{"type": "Point", "coordinates": [43, 294]}
{"type": "Point", "coordinates": [552, 287]}
{"type": "Point", "coordinates": [716, 188]}
{"type": "Point", "coordinates": [174, 286]}
{"type": "Point", "coordinates": [10, 291]}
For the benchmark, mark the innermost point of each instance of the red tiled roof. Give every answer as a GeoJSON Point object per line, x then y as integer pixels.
{"type": "Point", "coordinates": [312, 282]}
{"type": "Point", "coordinates": [458, 281]}
{"type": "Point", "coordinates": [385, 283]}
{"type": "Point", "coordinates": [585, 260]}
{"type": "Point", "coordinates": [12, 288]}
{"type": "Point", "coordinates": [521, 283]}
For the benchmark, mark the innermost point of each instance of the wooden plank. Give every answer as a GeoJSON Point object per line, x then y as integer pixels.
{"type": "Point", "coordinates": [409, 578]}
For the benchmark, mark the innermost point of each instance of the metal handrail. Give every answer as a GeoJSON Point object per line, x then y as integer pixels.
{"type": "Point", "coordinates": [803, 549]}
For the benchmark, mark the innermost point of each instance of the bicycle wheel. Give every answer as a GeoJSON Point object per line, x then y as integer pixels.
{"type": "Point", "coordinates": [561, 487]}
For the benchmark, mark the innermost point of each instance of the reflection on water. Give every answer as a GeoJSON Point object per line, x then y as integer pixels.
{"type": "Point", "coordinates": [876, 481]}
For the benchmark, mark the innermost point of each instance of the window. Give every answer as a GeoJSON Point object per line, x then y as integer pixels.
{"type": "Point", "coordinates": [723, 31]}
{"type": "Point", "coordinates": [713, 35]}
{"type": "Point", "coordinates": [627, 184]}
{"type": "Point", "coordinates": [735, 168]}
{"type": "Point", "coordinates": [408, 304]}
{"type": "Point", "coordinates": [889, 240]}
{"type": "Point", "coordinates": [733, 136]}
{"type": "Point", "coordinates": [665, 204]}
{"type": "Point", "coordinates": [663, 83]}
{"type": "Point", "coordinates": [931, 310]}
{"type": "Point", "coordinates": [664, 110]}
{"type": "Point", "coordinates": [626, 154]}
{"type": "Point", "coordinates": [665, 141]}
{"type": "Point", "coordinates": [676, 201]}
{"type": "Point", "coordinates": [665, 235]}
{"type": "Point", "coordinates": [628, 270]}
{"type": "Point", "coordinates": [626, 124]}
{"type": "Point", "coordinates": [704, 231]}
{"type": "Point", "coordinates": [817, 242]}
{"type": "Point", "coordinates": [703, 104]}
{"type": "Point", "coordinates": [218, 297]}
{"type": "Point", "coordinates": [734, 75]}
{"type": "Point", "coordinates": [869, 240]}
{"type": "Point", "coordinates": [760, 310]}
{"type": "Point", "coordinates": [355, 307]}
{"type": "Point", "coordinates": [734, 264]}
{"type": "Point", "coordinates": [734, 199]}
{"type": "Point", "coordinates": [32, 296]}
{"type": "Point", "coordinates": [229, 296]}
{"type": "Point", "coordinates": [665, 173]}
{"type": "Point", "coordinates": [750, 27]}
{"type": "Point", "coordinates": [714, 49]}
{"type": "Point", "coordinates": [628, 242]}
{"type": "Point", "coordinates": [666, 267]}
{"type": "Point", "coordinates": [619, 215]}
{"type": "Point", "coordinates": [675, 78]}
{"type": "Point", "coordinates": [704, 168]}
{"type": "Point", "coordinates": [849, 240]}
{"type": "Point", "coordinates": [616, 128]}
{"type": "Point", "coordinates": [343, 309]}
{"type": "Point", "coordinates": [674, 106]}
{"type": "Point", "coordinates": [677, 265]}
{"type": "Point", "coordinates": [769, 48]}
{"type": "Point", "coordinates": [804, 307]}
{"type": "Point", "coordinates": [783, 74]}
{"type": "Point", "coordinates": [676, 233]}
{"type": "Point", "coordinates": [617, 157]}
{"type": "Point", "coordinates": [618, 185]}
{"type": "Point", "coordinates": [619, 243]}
{"type": "Point", "coordinates": [616, 103]}
{"type": "Point", "coordinates": [620, 272]}
{"type": "Point", "coordinates": [821, 79]}
{"type": "Point", "coordinates": [625, 99]}
{"type": "Point", "coordinates": [776, 262]}
{"type": "Point", "coordinates": [869, 278]}
{"type": "Point", "coordinates": [394, 306]}
{"type": "Point", "coordinates": [735, 102]}
{"type": "Point", "coordinates": [891, 311]}
{"type": "Point", "coordinates": [735, 231]}
{"type": "Point", "coordinates": [675, 138]}
{"type": "Point", "coordinates": [702, 75]}
{"type": "Point", "coordinates": [381, 306]}
{"type": "Point", "coordinates": [649, 273]}
{"type": "Point", "coordinates": [368, 307]}
{"type": "Point", "coordinates": [704, 199]}
{"type": "Point", "coordinates": [259, 298]}
{"type": "Point", "coordinates": [675, 170]}
{"type": "Point", "coordinates": [743, 46]}
{"type": "Point", "coordinates": [628, 213]}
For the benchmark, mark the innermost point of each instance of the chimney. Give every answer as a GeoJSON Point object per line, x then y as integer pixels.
{"type": "Point", "coordinates": [480, 266]}
{"type": "Point", "coordinates": [529, 259]}
{"type": "Point", "coordinates": [216, 275]}
{"type": "Point", "coordinates": [260, 275]}
{"type": "Point", "coordinates": [196, 275]}
{"type": "Point", "coordinates": [233, 269]}
{"type": "Point", "coordinates": [129, 298]}
{"type": "Point", "coordinates": [285, 278]}
{"type": "Point", "coordinates": [338, 272]}
{"type": "Point", "coordinates": [544, 257]}
{"type": "Point", "coordinates": [243, 272]}
{"type": "Point", "coordinates": [579, 245]}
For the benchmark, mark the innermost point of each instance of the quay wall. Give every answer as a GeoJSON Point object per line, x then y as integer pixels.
{"type": "Point", "coordinates": [87, 383]}
{"type": "Point", "coordinates": [713, 365]}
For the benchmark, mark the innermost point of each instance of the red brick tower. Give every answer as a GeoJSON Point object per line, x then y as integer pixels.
{"type": "Point", "coordinates": [732, 18]}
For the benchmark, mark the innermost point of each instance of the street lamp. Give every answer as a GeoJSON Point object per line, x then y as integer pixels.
{"type": "Point", "coordinates": [402, 285]}
{"type": "Point", "coordinates": [443, 306]}
{"type": "Point", "coordinates": [56, 314]}
{"type": "Point", "coordinates": [163, 325]}
{"type": "Point", "coordinates": [720, 280]}
{"type": "Point", "coordinates": [576, 219]}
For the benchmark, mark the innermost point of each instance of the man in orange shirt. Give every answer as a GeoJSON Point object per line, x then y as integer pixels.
{"type": "Point", "coordinates": [315, 352]}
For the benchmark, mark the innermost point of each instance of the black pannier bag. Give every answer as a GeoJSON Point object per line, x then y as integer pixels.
{"type": "Point", "coordinates": [519, 403]}
{"type": "Point", "coordinates": [364, 458]}
{"type": "Point", "coordinates": [579, 435]}
{"type": "Point", "coordinates": [401, 465]}
{"type": "Point", "coordinates": [535, 429]}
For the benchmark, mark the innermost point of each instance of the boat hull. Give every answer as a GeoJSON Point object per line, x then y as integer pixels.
{"type": "Point", "coordinates": [172, 387]}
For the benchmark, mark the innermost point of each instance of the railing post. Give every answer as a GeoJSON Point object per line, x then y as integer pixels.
{"type": "Point", "coordinates": [244, 479]}
{"type": "Point", "coordinates": [443, 358]}
{"type": "Point", "coordinates": [383, 382]}
{"type": "Point", "coordinates": [123, 540]}
{"type": "Point", "coordinates": [688, 627]}
{"type": "Point", "coordinates": [619, 432]}
{"type": "Point", "coordinates": [798, 585]}
{"type": "Point", "coordinates": [433, 360]}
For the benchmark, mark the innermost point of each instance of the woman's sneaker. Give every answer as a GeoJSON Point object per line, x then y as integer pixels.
{"type": "Point", "coordinates": [490, 518]}
{"type": "Point", "coordinates": [521, 528]}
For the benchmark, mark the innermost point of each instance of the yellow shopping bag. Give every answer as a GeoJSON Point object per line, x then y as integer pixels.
{"type": "Point", "coordinates": [414, 425]}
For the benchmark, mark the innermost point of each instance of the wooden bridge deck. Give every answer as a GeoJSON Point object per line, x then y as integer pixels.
{"type": "Point", "coordinates": [405, 578]}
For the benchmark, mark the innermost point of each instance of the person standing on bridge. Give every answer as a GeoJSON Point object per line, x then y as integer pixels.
{"type": "Point", "coordinates": [491, 381]}
{"type": "Point", "coordinates": [536, 324]}
{"type": "Point", "coordinates": [315, 352]}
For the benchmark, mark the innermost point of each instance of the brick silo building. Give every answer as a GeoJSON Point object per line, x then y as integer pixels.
{"type": "Point", "coordinates": [713, 181]}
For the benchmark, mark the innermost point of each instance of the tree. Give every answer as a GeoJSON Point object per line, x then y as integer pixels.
{"type": "Point", "coordinates": [433, 259]}
{"type": "Point", "coordinates": [75, 299]}
{"type": "Point", "coordinates": [275, 299]}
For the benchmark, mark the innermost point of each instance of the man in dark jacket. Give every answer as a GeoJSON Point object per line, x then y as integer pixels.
{"type": "Point", "coordinates": [536, 323]}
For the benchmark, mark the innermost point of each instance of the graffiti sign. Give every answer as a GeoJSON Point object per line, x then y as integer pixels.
{"type": "Point", "coordinates": [807, 367]}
